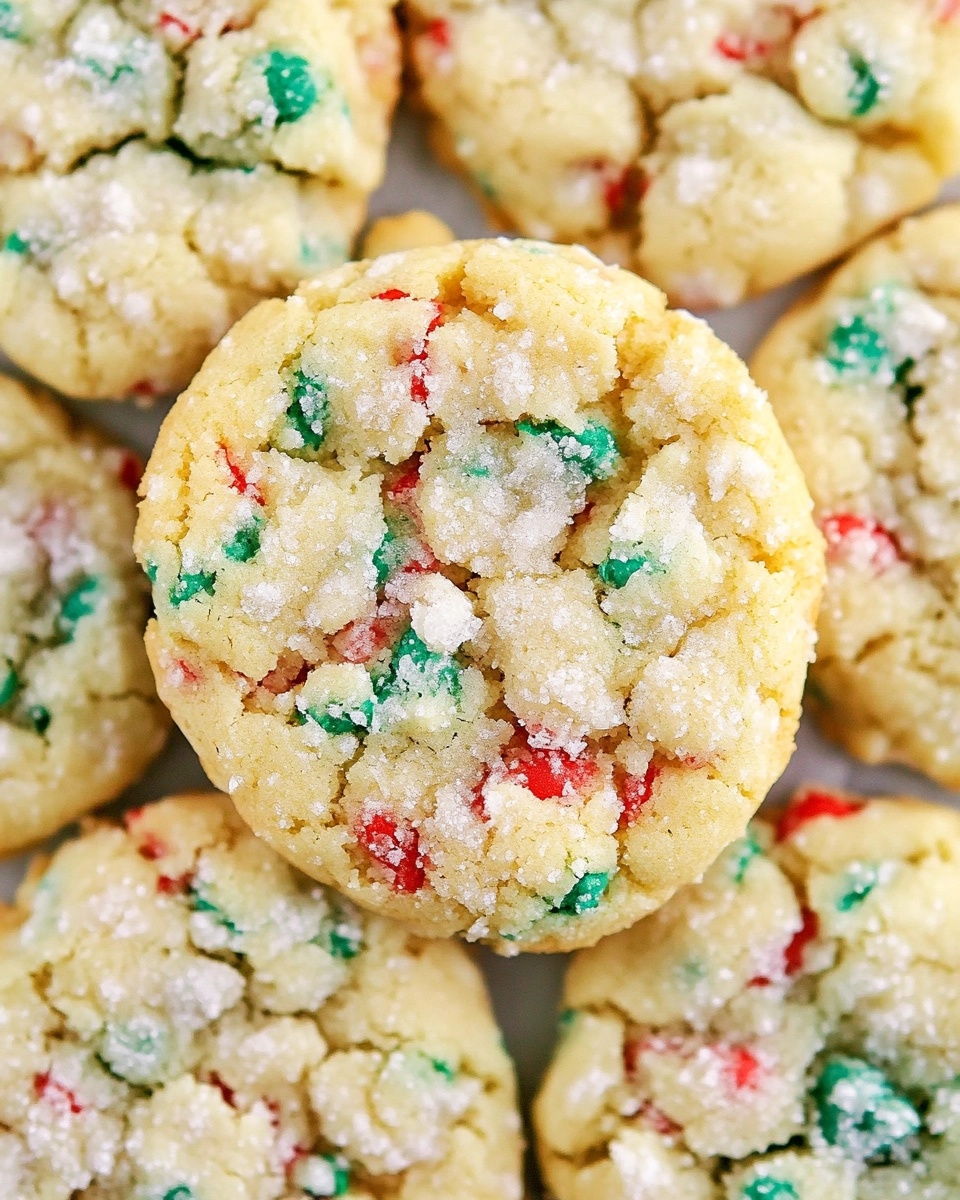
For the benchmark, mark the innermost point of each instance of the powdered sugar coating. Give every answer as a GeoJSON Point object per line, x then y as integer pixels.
{"type": "Point", "coordinates": [865, 379]}
{"type": "Point", "coordinates": [79, 714]}
{"type": "Point", "coordinates": [721, 147]}
{"type": "Point", "coordinates": [443, 598]}
{"type": "Point", "coordinates": [183, 1015]}
{"type": "Point", "coordinates": [784, 1030]}
{"type": "Point", "coordinates": [169, 164]}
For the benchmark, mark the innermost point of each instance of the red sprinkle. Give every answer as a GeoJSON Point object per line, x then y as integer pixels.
{"type": "Point", "coordinates": [841, 528]}
{"type": "Point", "coordinates": [635, 792]}
{"type": "Point", "coordinates": [189, 674]}
{"type": "Point", "coordinates": [145, 390]}
{"type": "Point", "coordinates": [167, 885]}
{"type": "Point", "coordinates": [549, 773]}
{"type": "Point", "coordinates": [225, 1090]}
{"type": "Point", "coordinates": [396, 847]}
{"type": "Point", "coordinates": [477, 804]}
{"type": "Point", "coordinates": [131, 471]}
{"type": "Point", "coordinates": [438, 32]}
{"type": "Point", "coordinates": [741, 1066]}
{"type": "Point", "coordinates": [360, 641]}
{"type": "Point", "coordinates": [392, 294]}
{"type": "Point", "coordinates": [739, 48]}
{"type": "Point", "coordinates": [400, 492]}
{"type": "Point", "coordinates": [658, 1120]}
{"type": "Point", "coordinates": [635, 1048]}
{"type": "Point", "coordinates": [47, 1088]}
{"type": "Point", "coordinates": [238, 479]}
{"type": "Point", "coordinates": [152, 847]}
{"type": "Point", "coordinates": [810, 807]}
{"type": "Point", "coordinates": [169, 21]}
{"type": "Point", "coordinates": [793, 954]}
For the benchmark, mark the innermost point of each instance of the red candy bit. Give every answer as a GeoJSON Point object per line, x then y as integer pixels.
{"type": "Point", "coordinates": [152, 848]}
{"type": "Point", "coordinates": [45, 1087]}
{"type": "Point", "coordinates": [395, 846]}
{"type": "Point", "coordinates": [225, 1090]}
{"type": "Point", "coordinates": [741, 1067]}
{"type": "Point", "coordinates": [810, 807]}
{"type": "Point", "coordinates": [438, 32]}
{"type": "Point", "coordinates": [182, 673]}
{"type": "Point", "coordinates": [635, 1048]}
{"type": "Point", "coordinates": [392, 294]}
{"type": "Point", "coordinates": [737, 47]}
{"type": "Point", "coordinates": [476, 802]}
{"type": "Point", "coordinates": [402, 492]}
{"type": "Point", "coordinates": [144, 389]}
{"type": "Point", "coordinates": [549, 773]}
{"type": "Point", "coordinates": [174, 24]}
{"type": "Point", "coordinates": [130, 471]}
{"type": "Point", "coordinates": [238, 478]}
{"type": "Point", "coordinates": [637, 791]}
{"type": "Point", "coordinates": [168, 885]}
{"type": "Point", "coordinates": [291, 670]}
{"type": "Point", "coordinates": [658, 1120]}
{"type": "Point", "coordinates": [418, 358]}
{"type": "Point", "coordinates": [360, 641]}
{"type": "Point", "coordinates": [793, 954]}
{"type": "Point", "coordinates": [845, 531]}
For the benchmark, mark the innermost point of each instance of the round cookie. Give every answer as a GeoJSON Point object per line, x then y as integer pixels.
{"type": "Point", "coordinates": [721, 147]}
{"type": "Point", "coordinates": [787, 1029]}
{"type": "Point", "coordinates": [165, 165]}
{"type": "Point", "coordinates": [185, 1017]}
{"type": "Point", "coordinates": [79, 715]}
{"type": "Point", "coordinates": [865, 379]}
{"type": "Point", "coordinates": [484, 585]}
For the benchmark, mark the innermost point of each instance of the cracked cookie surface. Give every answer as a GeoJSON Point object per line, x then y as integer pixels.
{"type": "Point", "coordinates": [484, 585]}
{"type": "Point", "coordinates": [720, 147]}
{"type": "Point", "coordinates": [186, 1017]}
{"type": "Point", "coordinates": [785, 1030]}
{"type": "Point", "coordinates": [865, 379]}
{"type": "Point", "coordinates": [163, 166]}
{"type": "Point", "coordinates": [79, 714]}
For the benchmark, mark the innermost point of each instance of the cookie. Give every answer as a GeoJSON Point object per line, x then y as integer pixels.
{"type": "Point", "coordinates": [165, 165]}
{"type": "Point", "coordinates": [183, 1016]}
{"type": "Point", "coordinates": [720, 147]}
{"type": "Point", "coordinates": [405, 231]}
{"type": "Point", "coordinates": [484, 585]}
{"type": "Point", "coordinates": [865, 379]}
{"type": "Point", "coordinates": [79, 715]}
{"type": "Point", "coordinates": [787, 1029]}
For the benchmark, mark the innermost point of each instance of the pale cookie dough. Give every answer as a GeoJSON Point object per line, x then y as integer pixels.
{"type": "Point", "coordinates": [865, 379]}
{"type": "Point", "coordinates": [485, 587]}
{"type": "Point", "coordinates": [406, 231]}
{"type": "Point", "coordinates": [79, 714]}
{"type": "Point", "coordinates": [787, 1029]}
{"type": "Point", "coordinates": [720, 147]}
{"type": "Point", "coordinates": [185, 1017]}
{"type": "Point", "coordinates": [165, 165]}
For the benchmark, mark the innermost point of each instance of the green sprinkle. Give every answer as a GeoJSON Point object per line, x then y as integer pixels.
{"type": "Point", "coordinates": [345, 943]}
{"type": "Point", "coordinates": [866, 88]}
{"type": "Point", "coordinates": [766, 1187]}
{"type": "Point", "coordinates": [692, 971]}
{"type": "Point", "coordinates": [201, 903]}
{"type": "Point", "coordinates": [323, 1175]}
{"type": "Point", "coordinates": [309, 410]}
{"type": "Point", "coordinates": [135, 1051]}
{"type": "Point", "coordinates": [16, 243]}
{"type": "Point", "coordinates": [180, 1192]}
{"type": "Point", "coordinates": [74, 605]}
{"type": "Point", "coordinates": [742, 854]}
{"type": "Point", "coordinates": [444, 1069]}
{"type": "Point", "coordinates": [192, 584]}
{"type": "Point", "coordinates": [291, 85]}
{"type": "Point", "coordinates": [338, 718]}
{"type": "Point", "coordinates": [387, 557]}
{"type": "Point", "coordinates": [414, 669]}
{"type": "Point", "coordinates": [856, 347]}
{"type": "Point", "coordinates": [593, 451]}
{"type": "Point", "coordinates": [245, 543]}
{"type": "Point", "coordinates": [39, 718]}
{"type": "Point", "coordinates": [858, 882]}
{"type": "Point", "coordinates": [616, 571]}
{"type": "Point", "coordinates": [11, 21]}
{"type": "Point", "coordinates": [566, 1021]}
{"type": "Point", "coordinates": [860, 1111]}
{"type": "Point", "coordinates": [151, 570]}
{"type": "Point", "coordinates": [585, 894]}
{"type": "Point", "coordinates": [9, 684]}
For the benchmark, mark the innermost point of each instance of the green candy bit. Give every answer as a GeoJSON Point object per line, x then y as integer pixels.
{"type": "Point", "coordinates": [109, 75]}
{"type": "Point", "coordinates": [245, 543]}
{"type": "Point", "coordinates": [323, 1175]}
{"type": "Point", "coordinates": [9, 684]}
{"type": "Point", "coordinates": [11, 21]}
{"type": "Point", "coordinates": [768, 1187]}
{"type": "Point", "coordinates": [192, 584]}
{"type": "Point", "coordinates": [858, 882]}
{"type": "Point", "coordinates": [444, 1069]}
{"type": "Point", "coordinates": [388, 557]}
{"type": "Point", "coordinates": [414, 669]}
{"type": "Point", "coordinates": [585, 895]}
{"type": "Point", "coordinates": [180, 1192]}
{"type": "Point", "coordinates": [309, 409]}
{"type": "Point", "coordinates": [151, 570]}
{"type": "Point", "coordinates": [566, 1021]}
{"type": "Point", "coordinates": [617, 572]}
{"type": "Point", "coordinates": [201, 903]}
{"type": "Point", "coordinates": [855, 347]}
{"type": "Point", "coordinates": [860, 1112]}
{"type": "Point", "coordinates": [290, 84]}
{"type": "Point", "coordinates": [16, 243]}
{"type": "Point", "coordinates": [691, 972]}
{"type": "Point", "coordinates": [593, 451]}
{"type": "Point", "coordinates": [742, 854]}
{"type": "Point", "coordinates": [39, 718]}
{"type": "Point", "coordinates": [74, 605]}
{"type": "Point", "coordinates": [866, 89]}
{"type": "Point", "coordinates": [338, 718]}
{"type": "Point", "coordinates": [135, 1051]}
{"type": "Point", "coordinates": [345, 943]}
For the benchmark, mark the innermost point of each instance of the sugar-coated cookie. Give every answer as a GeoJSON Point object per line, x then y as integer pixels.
{"type": "Point", "coordinates": [484, 585]}
{"type": "Point", "coordinates": [865, 379]}
{"type": "Point", "coordinates": [788, 1029]}
{"type": "Point", "coordinates": [185, 1017]}
{"type": "Point", "coordinates": [79, 714]}
{"type": "Point", "coordinates": [164, 164]}
{"type": "Point", "coordinates": [721, 147]}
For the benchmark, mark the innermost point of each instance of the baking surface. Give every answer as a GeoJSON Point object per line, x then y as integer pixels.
{"type": "Point", "coordinates": [525, 989]}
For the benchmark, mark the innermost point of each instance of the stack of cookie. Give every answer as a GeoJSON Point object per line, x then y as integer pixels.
{"type": "Point", "coordinates": [485, 587]}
